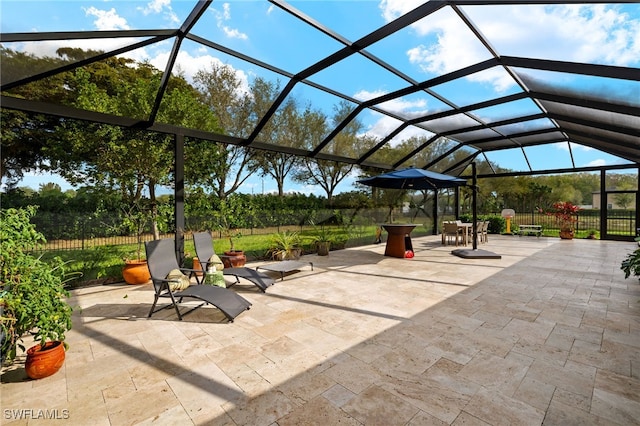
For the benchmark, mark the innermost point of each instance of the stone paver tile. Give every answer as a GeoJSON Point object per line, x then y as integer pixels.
{"type": "Point", "coordinates": [623, 338]}
{"type": "Point", "coordinates": [306, 386]}
{"type": "Point", "coordinates": [440, 393]}
{"type": "Point", "coordinates": [615, 407]}
{"type": "Point", "coordinates": [247, 379]}
{"type": "Point", "coordinates": [172, 416]}
{"type": "Point", "coordinates": [262, 410]}
{"type": "Point", "coordinates": [495, 373]}
{"type": "Point", "coordinates": [353, 374]}
{"type": "Point", "coordinates": [303, 361]}
{"type": "Point", "coordinates": [318, 411]}
{"type": "Point", "coordinates": [587, 333]}
{"type": "Point", "coordinates": [491, 318]}
{"type": "Point", "coordinates": [88, 411]}
{"type": "Point", "coordinates": [141, 404]}
{"type": "Point", "coordinates": [213, 418]}
{"type": "Point", "coordinates": [405, 364]}
{"type": "Point", "coordinates": [377, 406]}
{"type": "Point", "coordinates": [567, 415]}
{"type": "Point", "coordinates": [368, 351]}
{"type": "Point", "coordinates": [534, 393]}
{"type": "Point", "coordinates": [573, 377]}
{"type": "Point", "coordinates": [497, 409]}
{"type": "Point", "coordinates": [564, 397]}
{"type": "Point", "coordinates": [207, 388]}
{"type": "Point", "coordinates": [492, 340]}
{"type": "Point", "coordinates": [462, 321]}
{"type": "Point", "coordinates": [608, 356]}
{"type": "Point", "coordinates": [625, 386]}
{"type": "Point", "coordinates": [558, 341]}
{"type": "Point", "coordinates": [466, 419]}
{"type": "Point", "coordinates": [281, 348]}
{"type": "Point", "coordinates": [531, 331]}
{"type": "Point", "coordinates": [547, 352]}
{"type": "Point", "coordinates": [616, 397]}
{"type": "Point", "coordinates": [454, 346]}
{"type": "Point", "coordinates": [338, 395]}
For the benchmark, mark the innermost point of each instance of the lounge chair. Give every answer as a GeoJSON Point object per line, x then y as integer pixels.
{"type": "Point", "coordinates": [204, 252]}
{"type": "Point", "coordinates": [161, 259]}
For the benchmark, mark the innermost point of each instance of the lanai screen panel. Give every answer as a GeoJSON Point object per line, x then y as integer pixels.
{"type": "Point", "coordinates": [488, 75]}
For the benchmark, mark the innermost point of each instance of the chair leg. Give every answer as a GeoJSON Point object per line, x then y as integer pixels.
{"type": "Point", "coordinates": [155, 300]}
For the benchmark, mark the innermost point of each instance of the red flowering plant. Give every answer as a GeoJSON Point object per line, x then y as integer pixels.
{"type": "Point", "coordinates": [565, 214]}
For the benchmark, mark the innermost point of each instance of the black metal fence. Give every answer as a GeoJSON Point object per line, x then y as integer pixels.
{"type": "Point", "coordinates": [65, 232]}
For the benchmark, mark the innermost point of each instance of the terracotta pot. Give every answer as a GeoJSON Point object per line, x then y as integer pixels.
{"type": "Point", "coordinates": [323, 248]}
{"type": "Point", "coordinates": [566, 234]}
{"type": "Point", "coordinates": [197, 266]}
{"type": "Point", "coordinates": [44, 362]}
{"type": "Point", "coordinates": [234, 259]}
{"type": "Point", "coordinates": [136, 272]}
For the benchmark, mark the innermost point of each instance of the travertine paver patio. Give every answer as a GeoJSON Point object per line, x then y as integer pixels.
{"type": "Point", "coordinates": [549, 334]}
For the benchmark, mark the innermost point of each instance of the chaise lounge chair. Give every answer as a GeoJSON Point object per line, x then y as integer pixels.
{"type": "Point", "coordinates": [204, 252]}
{"type": "Point", "coordinates": [161, 259]}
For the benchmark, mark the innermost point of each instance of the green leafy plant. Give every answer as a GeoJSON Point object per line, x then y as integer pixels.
{"type": "Point", "coordinates": [33, 291]}
{"type": "Point", "coordinates": [285, 245]}
{"type": "Point", "coordinates": [230, 216]}
{"type": "Point", "coordinates": [135, 220]}
{"type": "Point", "coordinates": [631, 264]}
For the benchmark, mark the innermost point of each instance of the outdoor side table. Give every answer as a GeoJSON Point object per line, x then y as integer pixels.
{"type": "Point", "coordinates": [399, 239]}
{"type": "Point", "coordinates": [284, 267]}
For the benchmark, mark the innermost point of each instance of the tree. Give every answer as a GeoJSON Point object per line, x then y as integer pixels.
{"type": "Point", "coordinates": [328, 174]}
{"type": "Point", "coordinates": [286, 128]}
{"type": "Point", "coordinates": [130, 160]}
{"type": "Point", "coordinates": [221, 90]}
{"type": "Point", "coordinates": [25, 135]}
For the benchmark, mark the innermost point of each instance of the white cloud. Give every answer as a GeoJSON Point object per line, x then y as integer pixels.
{"type": "Point", "coordinates": [576, 146]}
{"type": "Point", "coordinates": [159, 6]}
{"type": "Point", "coordinates": [107, 19]}
{"type": "Point", "coordinates": [399, 105]}
{"type": "Point", "coordinates": [224, 16]}
{"type": "Point", "coordinates": [596, 163]}
{"type": "Point", "coordinates": [580, 33]}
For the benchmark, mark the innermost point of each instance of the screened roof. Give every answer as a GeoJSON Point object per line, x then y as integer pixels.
{"type": "Point", "coordinates": [530, 86]}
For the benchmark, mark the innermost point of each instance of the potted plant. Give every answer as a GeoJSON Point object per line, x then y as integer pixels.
{"type": "Point", "coordinates": [565, 214]}
{"type": "Point", "coordinates": [32, 297]}
{"type": "Point", "coordinates": [135, 270]}
{"type": "Point", "coordinates": [322, 240]}
{"type": "Point", "coordinates": [229, 220]}
{"type": "Point", "coordinates": [285, 246]}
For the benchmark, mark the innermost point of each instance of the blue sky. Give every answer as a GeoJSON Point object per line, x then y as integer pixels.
{"type": "Point", "coordinates": [603, 34]}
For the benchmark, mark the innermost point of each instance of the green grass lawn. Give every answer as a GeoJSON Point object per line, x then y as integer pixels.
{"type": "Point", "coordinates": [102, 264]}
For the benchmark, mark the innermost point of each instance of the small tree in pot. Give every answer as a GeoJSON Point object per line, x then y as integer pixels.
{"type": "Point", "coordinates": [135, 269]}
{"type": "Point", "coordinates": [33, 292]}
{"type": "Point", "coordinates": [231, 216]}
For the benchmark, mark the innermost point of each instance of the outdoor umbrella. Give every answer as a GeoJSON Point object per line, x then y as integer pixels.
{"type": "Point", "coordinates": [413, 178]}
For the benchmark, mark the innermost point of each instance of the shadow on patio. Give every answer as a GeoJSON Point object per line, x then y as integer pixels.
{"type": "Point", "coordinates": [549, 333]}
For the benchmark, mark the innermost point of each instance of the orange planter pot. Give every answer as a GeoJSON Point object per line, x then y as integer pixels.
{"type": "Point", "coordinates": [234, 259]}
{"type": "Point", "coordinates": [44, 362]}
{"type": "Point", "coordinates": [566, 235]}
{"type": "Point", "coordinates": [197, 266]}
{"type": "Point", "coordinates": [136, 272]}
